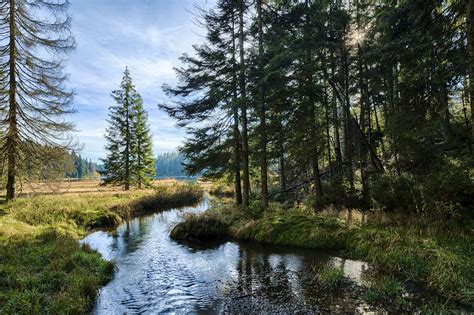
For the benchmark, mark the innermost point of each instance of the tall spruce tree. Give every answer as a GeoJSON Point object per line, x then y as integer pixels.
{"type": "Point", "coordinates": [129, 153]}
{"type": "Point", "coordinates": [207, 99]}
{"type": "Point", "coordinates": [34, 36]}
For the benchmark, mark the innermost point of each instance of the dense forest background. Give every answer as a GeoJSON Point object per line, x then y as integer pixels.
{"type": "Point", "coordinates": [166, 165]}
{"type": "Point", "coordinates": [358, 103]}
{"type": "Point", "coordinates": [170, 165]}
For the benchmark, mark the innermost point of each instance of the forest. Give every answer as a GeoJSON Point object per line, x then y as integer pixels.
{"type": "Point", "coordinates": [324, 156]}
{"type": "Point", "coordinates": [361, 103]}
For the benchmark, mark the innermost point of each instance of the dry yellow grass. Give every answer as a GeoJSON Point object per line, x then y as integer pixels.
{"type": "Point", "coordinates": [79, 187]}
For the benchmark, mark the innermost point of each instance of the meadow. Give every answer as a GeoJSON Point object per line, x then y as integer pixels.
{"type": "Point", "coordinates": [43, 267]}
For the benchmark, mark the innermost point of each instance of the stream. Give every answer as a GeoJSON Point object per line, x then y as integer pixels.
{"type": "Point", "coordinates": [155, 274]}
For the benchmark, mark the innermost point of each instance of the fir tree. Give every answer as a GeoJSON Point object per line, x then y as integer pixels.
{"type": "Point", "coordinates": [143, 168]}
{"type": "Point", "coordinates": [214, 147]}
{"type": "Point", "coordinates": [34, 36]}
{"type": "Point", "coordinates": [129, 160]}
{"type": "Point", "coordinates": [119, 137]}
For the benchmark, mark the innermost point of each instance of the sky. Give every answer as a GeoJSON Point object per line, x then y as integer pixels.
{"type": "Point", "coordinates": [148, 36]}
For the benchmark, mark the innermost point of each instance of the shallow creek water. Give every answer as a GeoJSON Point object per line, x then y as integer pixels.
{"type": "Point", "coordinates": [155, 274]}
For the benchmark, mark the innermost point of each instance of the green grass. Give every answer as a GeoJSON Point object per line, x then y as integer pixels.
{"type": "Point", "coordinates": [43, 268]}
{"type": "Point", "coordinates": [421, 251]}
{"type": "Point", "coordinates": [330, 277]}
{"type": "Point", "coordinates": [200, 227]}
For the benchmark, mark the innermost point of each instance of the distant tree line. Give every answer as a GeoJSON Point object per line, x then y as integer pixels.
{"type": "Point", "coordinates": [170, 165]}
{"type": "Point", "coordinates": [81, 167]}
{"type": "Point", "coordinates": [351, 102]}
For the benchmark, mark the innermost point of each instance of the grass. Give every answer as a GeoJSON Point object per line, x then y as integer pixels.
{"type": "Point", "coordinates": [384, 287]}
{"type": "Point", "coordinates": [419, 251]}
{"type": "Point", "coordinates": [43, 267]}
{"type": "Point", "coordinates": [200, 227]}
{"type": "Point", "coordinates": [330, 277]}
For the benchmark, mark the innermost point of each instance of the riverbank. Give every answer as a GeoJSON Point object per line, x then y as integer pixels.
{"type": "Point", "coordinates": [43, 267]}
{"type": "Point", "coordinates": [438, 254]}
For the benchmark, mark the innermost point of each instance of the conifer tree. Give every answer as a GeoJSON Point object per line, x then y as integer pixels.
{"type": "Point", "coordinates": [34, 36]}
{"type": "Point", "coordinates": [214, 147]}
{"type": "Point", "coordinates": [334, 94]}
{"type": "Point", "coordinates": [120, 139]}
{"type": "Point", "coordinates": [143, 168]}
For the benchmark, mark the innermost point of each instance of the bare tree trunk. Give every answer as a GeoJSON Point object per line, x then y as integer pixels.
{"type": "Point", "coordinates": [318, 190]}
{"type": "Point", "coordinates": [337, 137]}
{"type": "Point", "coordinates": [243, 104]}
{"type": "Point", "coordinates": [262, 131]}
{"type": "Point", "coordinates": [12, 137]}
{"type": "Point", "coordinates": [127, 144]}
{"type": "Point", "coordinates": [235, 109]}
{"type": "Point", "coordinates": [470, 39]}
{"type": "Point", "coordinates": [281, 164]}
{"type": "Point", "coordinates": [347, 124]}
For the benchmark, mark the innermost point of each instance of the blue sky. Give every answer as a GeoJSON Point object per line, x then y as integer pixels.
{"type": "Point", "coordinates": [148, 36]}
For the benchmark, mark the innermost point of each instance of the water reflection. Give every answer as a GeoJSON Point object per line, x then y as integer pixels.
{"type": "Point", "coordinates": [155, 274]}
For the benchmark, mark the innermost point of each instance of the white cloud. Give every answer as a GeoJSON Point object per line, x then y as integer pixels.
{"type": "Point", "coordinates": [148, 37]}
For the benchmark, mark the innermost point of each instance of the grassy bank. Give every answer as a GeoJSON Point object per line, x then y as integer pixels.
{"type": "Point", "coordinates": [42, 266]}
{"type": "Point", "coordinates": [415, 249]}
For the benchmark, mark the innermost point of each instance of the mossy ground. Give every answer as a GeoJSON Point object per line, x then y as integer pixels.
{"type": "Point", "coordinates": [43, 268]}
{"type": "Point", "coordinates": [427, 253]}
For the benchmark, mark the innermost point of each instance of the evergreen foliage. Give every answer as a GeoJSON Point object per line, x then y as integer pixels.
{"type": "Point", "coordinates": [82, 167]}
{"type": "Point", "coordinates": [333, 98]}
{"type": "Point", "coordinates": [129, 160]}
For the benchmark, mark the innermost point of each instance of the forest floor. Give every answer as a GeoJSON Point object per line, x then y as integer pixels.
{"type": "Point", "coordinates": [437, 255]}
{"type": "Point", "coordinates": [43, 267]}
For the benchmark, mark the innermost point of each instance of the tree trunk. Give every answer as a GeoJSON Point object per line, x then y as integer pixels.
{"type": "Point", "coordinates": [243, 104]}
{"type": "Point", "coordinates": [127, 143]}
{"type": "Point", "coordinates": [12, 137]}
{"type": "Point", "coordinates": [364, 116]}
{"type": "Point", "coordinates": [236, 131]}
{"type": "Point", "coordinates": [328, 132]}
{"type": "Point", "coordinates": [139, 178]}
{"type": "Point", "coordinates": [281, 164]}
{"type": "Point", "coordinates": [262, 129]}
{"type": "Point", "coordinates": [470, 39]}
{"type": "Point", "coordinates": [314, 152]}
{"type": "Point", "coordinates": [347, 124]}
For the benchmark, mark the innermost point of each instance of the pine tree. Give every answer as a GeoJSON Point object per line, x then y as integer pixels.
{"type": "Point", "coordinates": [214, 147]}
{"type": "Point", "coordinates": [143, 168]}
{"type": "Point", "coordinates": [120, 139]}
{"type": "Point", "coordinates": [34, 36]}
